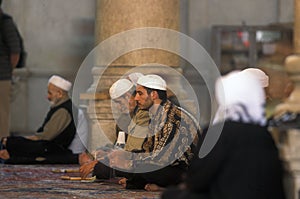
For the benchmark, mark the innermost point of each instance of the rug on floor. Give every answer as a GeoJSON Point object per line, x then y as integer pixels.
{"type": "Point", "coordinates": [40, 181]}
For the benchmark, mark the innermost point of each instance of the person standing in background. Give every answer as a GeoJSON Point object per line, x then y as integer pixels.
{"type": "Point", "coordinates": [9, 56]}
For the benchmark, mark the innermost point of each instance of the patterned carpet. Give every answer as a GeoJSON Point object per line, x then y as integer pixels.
{"type": "Point", "coordinates": [39, 181]}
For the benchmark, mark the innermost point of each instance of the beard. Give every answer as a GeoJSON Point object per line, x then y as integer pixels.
{"type": "Point", "coordinates": [53, 101]}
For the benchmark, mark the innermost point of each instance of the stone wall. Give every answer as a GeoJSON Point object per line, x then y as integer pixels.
{"type": "Point", "coordinates": [59, 34]}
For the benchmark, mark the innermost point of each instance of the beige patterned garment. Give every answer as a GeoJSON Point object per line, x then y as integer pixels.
{"type": "Point", "coordinates": [137, 131]}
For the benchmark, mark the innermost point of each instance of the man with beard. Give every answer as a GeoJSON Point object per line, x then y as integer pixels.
{"type": "Point", "coordinates": [132, 120]}
{"type": "Point", "coordinates": [173, 141]}
{"type": "Point", "coordinates": [51, 141]}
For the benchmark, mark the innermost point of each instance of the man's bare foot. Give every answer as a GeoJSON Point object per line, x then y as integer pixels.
{"type": "Point", "coordinates": [153, 187]}
{"type": "Point", "coordinates": [123, 182]}
{"type": "Point", "coordinates": [84, 158]}
{"type": "Point", "coordinates": [4, 154]}
{"type": "Point", "coordinates": [87, 168]}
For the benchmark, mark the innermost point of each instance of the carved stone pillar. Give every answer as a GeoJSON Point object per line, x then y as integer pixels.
{"type": "Point", "coordinates": [113, 17]}
{"type": "Point", "coordinates": [296, 26]}
{"type": "Point", "coordinates": [289, 142]}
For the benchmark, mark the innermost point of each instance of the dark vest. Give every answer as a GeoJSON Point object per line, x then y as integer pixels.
{"type": "Point", "coordinates": [65, 138]}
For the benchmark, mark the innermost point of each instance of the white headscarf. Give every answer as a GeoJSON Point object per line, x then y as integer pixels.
{"type": "Point", "coordinates": [240, 97]}
{"type": "Point", "coordinates": [259, 74]}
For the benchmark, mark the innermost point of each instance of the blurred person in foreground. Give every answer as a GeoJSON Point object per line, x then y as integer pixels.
{"type": "Point", "coordinates": [244, 162]}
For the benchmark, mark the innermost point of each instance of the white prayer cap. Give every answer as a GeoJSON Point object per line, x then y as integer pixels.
{"type": "Point", "coordinates": [133, 77]}
{"type": "Point", "coordinates": [152, 81]}
{"type": "Point", "coordinates": [60, 82]}
{"type": "Point", "coordinates": [119, 88]}
{"type": "Point", "coordinates": [259, 74]}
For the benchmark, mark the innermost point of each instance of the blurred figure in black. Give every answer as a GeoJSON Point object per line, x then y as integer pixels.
{"type": "Point", "coordinates": [244, 161]}
{"type": "Point", "coordinates": [9, 56]}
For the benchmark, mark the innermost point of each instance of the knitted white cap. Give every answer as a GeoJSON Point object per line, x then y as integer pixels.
{"type": "Point", "coordinates": [60, 82]}
{"type": "Point", "coordinates": [119, 88]}
{"type": "Point", "coordinates": [134, 77]}
{"type": "Point", "coordinates": [152, 81]}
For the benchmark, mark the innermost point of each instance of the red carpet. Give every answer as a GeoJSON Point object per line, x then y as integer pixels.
{"type": "Point", "coordinates": [38, 181]}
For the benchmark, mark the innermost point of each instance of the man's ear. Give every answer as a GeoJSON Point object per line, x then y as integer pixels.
{"type": "Point", "coordinates": [127, 95]}
{"type": "Point", "coordinates": [154, 95]}
{"type": "Point", "coordinates": [60, 93]}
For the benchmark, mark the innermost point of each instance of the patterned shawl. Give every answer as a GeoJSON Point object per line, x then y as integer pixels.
{"type": "Point", "coordinates": [175, 136]}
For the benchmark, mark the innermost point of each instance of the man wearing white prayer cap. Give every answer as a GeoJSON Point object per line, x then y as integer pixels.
{"type": "Point", "coordinates": [133, 77]}
{"type": "Point", "coordinates": [60, 82]}
{"type": "Point", "coordinates": [171, 128]}
{"type": "Point", "coordinates": [51, 141]}
{"type": "Point", "coordinates": [153, 81]}
{"type": "Point", "coordinates": [133, 121]}
{"type": "Point", "coordinates": [119, 88]}
{"type": "Point", "coordinates": [121, 92]}
{"type": "Point", "coordinates": [58, 89]}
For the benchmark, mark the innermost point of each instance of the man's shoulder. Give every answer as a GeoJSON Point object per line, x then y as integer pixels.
{"type": "Point", "coordinates": [141, 117]}
{"type": "Point", "coordinates": [65, 105]}
{"type": "Point", "coordinates": [237, 129]}
{"type": "Point", "coordinates": [183, 113]}
{"type": "Point", "coordinates": [141, 113]}
{"type": "Point", "coordinates": [61, 110]}
{"type": "Point", "coordinates": [65, 102]}
{"type": "Point", "coordinates": [6, 16]}
{"type": "Point", "coordinates": [7, 20]}
{"type": "Point", "coordinates": [180, 113]}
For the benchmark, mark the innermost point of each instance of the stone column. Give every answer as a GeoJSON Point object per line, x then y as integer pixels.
{"type": "Point", "coordinates": [113, 17]}
{"type": "Point", "coordinates": [292, 66]}
{"type": "Point", "coordinates": [289, 142]}
{"type": "Point", "coordinates": [296, 26]}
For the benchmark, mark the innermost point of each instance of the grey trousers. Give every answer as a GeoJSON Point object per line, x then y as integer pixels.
{"type": "Point", "coordinates": [5, 90]}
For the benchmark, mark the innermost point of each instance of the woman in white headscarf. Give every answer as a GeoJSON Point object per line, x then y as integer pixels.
{"type": "Point", "coordinates": [244, 161]}
{"type": "Point", "coordinates": [240, 97]}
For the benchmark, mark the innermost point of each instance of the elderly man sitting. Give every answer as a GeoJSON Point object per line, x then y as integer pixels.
{"type": "Point", "coordinates": [51, 141]}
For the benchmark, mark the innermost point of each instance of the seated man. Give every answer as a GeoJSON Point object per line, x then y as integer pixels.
{"type": "Point", "coordinates": [51, 141]}
{"type": "Point", "coordinates": [173, 140]}
{"type": "Point", "coordinates": [133, 121]}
